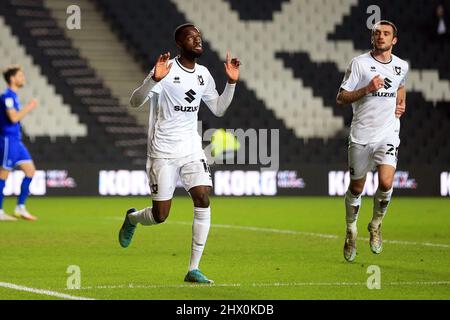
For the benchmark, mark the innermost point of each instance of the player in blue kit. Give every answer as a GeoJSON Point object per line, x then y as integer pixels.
{"type": "Point", "coordinates": [13, 152]}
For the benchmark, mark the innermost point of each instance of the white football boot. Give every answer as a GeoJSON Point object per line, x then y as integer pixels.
{"type": "Point", "coordinates": [375, 240]}
{"type": "Point", "coordinates": [6, 217]}
{"type": "Point", "coordinates": [21, 212]}
{"type": "Point", "coordinates": [350, 246]}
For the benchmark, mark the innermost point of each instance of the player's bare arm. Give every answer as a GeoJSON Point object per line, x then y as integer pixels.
{"type": "Point", "coordinates": [348, 97]}
{"type": "Point", "coordinates": [15, 116]}
{"type": "Point", "coordinates": [162, 67]}
{"type": "Point", "coordinates": [401, 102]}
{"type": "Point", "coordinates": [232, 68]}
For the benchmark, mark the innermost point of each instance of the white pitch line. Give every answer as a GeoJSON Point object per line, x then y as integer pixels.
{"type": "Point", "coordinates": [398, 283]}
{"type": "Point", "coordinates": [155, 286]}
{"type": "Point", "coordinates": [275, 284]}
{"type": "Point", "coordinates": [312, 234]}
{"type": "Point", "coordinates": [309, 234]}
{"type": "Point", "coordinates": [41, 291]}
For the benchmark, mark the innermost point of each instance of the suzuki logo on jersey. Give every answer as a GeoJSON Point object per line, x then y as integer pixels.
{"type": "Point", "coordinates": [190, 96]}
{"type": "Point", "coordinates": [185, 108]}
{"type": "Point", "coordinates": [387, 83]}
{"type": "Point", "coordinates": [384, 94]}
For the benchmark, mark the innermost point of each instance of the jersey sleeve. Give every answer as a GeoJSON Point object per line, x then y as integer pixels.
{"type": "Point", "coordinates": [155, 90]}
{"type": "Point", "coordinates": [144, 92]}
{"type": "Point", "coordinates": [210, 91]}
{"type": "Point", "coordinates": [403, 81]}
{"type": "Point", "coordinates": [352, 76]}
{"type": "Point", "coordinates": [9, 102]}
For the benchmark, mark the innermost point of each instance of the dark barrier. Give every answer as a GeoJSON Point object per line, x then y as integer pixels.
{"type": "Point", "coordinates": [93, 180]}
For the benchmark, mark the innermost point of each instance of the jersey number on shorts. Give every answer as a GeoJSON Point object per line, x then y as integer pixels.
{"type": "Point", "coordinates": [391, 150]}
{"type": "Point", "coordinates": [206, 167]}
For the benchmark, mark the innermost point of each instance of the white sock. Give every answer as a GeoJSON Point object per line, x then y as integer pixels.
{"type": "Point", "coordinates": [200, 229]}
{"type": "Point", "coordinates": [381, 201]}
{"type": "Point", "coordinates": [144, 217]}
{"type": "Point", "coordinates": [352, 205]}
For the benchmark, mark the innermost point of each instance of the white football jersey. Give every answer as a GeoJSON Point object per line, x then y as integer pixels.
{"type": "Point", "coordinates": [374, 115]}
{"type": "Point", "coordinates": [175, 134]}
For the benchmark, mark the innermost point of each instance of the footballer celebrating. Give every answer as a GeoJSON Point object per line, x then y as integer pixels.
{"type": "Point", "coordinates": [173, 91]}
{"type": "Point", "coordinates": [12, 150]}
{"type": "Point", "coordinates": [375, 86]}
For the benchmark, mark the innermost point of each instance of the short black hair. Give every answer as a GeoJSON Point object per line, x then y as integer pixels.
{"type": "Point", "coordinates": [385, 23]}
{"type": "Point", "coordinates": [11, 72]}
{"type": "Point", "coordinates": [179, 30]}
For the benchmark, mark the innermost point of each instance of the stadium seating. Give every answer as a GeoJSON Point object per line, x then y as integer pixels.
{"type": "Point", "coordinates": [317, 63]}
{"type": "Point", "coordinates": [258, 42]}
{"type": "Point", "coordinates": [95, 42]}
{"type": "Point", "coordinates": [53, 117]}
{"type": "Point", "coordinates": [136, 22]}
{"type": "Point", "coordinates": [294, 54]}
{"type": "Point", "coordinates": [111, 132]}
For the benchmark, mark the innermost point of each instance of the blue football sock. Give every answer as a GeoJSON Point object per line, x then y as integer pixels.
{"type": "Point", "coordinates": [2, 186]}
{"type": "Point", "coordinates": [24, 190]}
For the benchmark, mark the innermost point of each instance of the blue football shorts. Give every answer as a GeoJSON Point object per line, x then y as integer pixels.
{"type": "Point", "coordinates": [13, 152]}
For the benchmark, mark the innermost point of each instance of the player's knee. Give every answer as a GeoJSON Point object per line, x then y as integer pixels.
{"type": "Point", "coordinates": [160, 214]}
{"type": "Point", "coordinates": [29, 172]}
{"type": "Point", "coordinates": [159, 218]}
{"type": "Point", "coordinates": [356, 189]}
{"type": "Point", "coordinates": [385, 185]}
{"type": "Point", "coordinates": [201, 200]}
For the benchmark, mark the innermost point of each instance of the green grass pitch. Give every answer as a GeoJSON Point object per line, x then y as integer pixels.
{"type": "Point", "coordinates": [258, 248]}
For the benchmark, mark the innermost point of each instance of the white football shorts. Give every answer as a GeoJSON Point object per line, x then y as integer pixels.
{"type": "Point", "coordinates": [163, 174]}
{"type": "Point", "coordinates": [365, 158]}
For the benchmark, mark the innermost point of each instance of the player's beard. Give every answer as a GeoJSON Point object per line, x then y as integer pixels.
{"type": "Point", "coordinates": [194, 54]}
{"type": "Point", "coordinates": [382, 48]}
{"type": "Point", "coordinates": [191, 55]}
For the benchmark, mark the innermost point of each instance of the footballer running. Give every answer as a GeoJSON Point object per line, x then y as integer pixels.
{"type": "Point", "coordinates": [173, 91]}
{"type": "Point", "coordinates": [12, 150]}
{"type": "Point", "coordinates": [374, 84]}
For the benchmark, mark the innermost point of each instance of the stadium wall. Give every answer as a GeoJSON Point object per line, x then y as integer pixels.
{"type": "Point", "coordinates": [306, 180]}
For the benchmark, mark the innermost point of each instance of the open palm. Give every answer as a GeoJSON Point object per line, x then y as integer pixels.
{"type": "Point", "coordinates": [162, 67]}
{"type": "Point", "coordinates": [232, 68]}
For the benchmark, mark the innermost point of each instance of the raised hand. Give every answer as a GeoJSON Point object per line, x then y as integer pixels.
{"type": "Point", "coordinates": [162, 67]}
{"type": "Point", "coordinates": [375, 84]}
{"type": "Point", "coordinates": [400, 109]}
{"type": "Point", "coordinates": [232, 68]}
